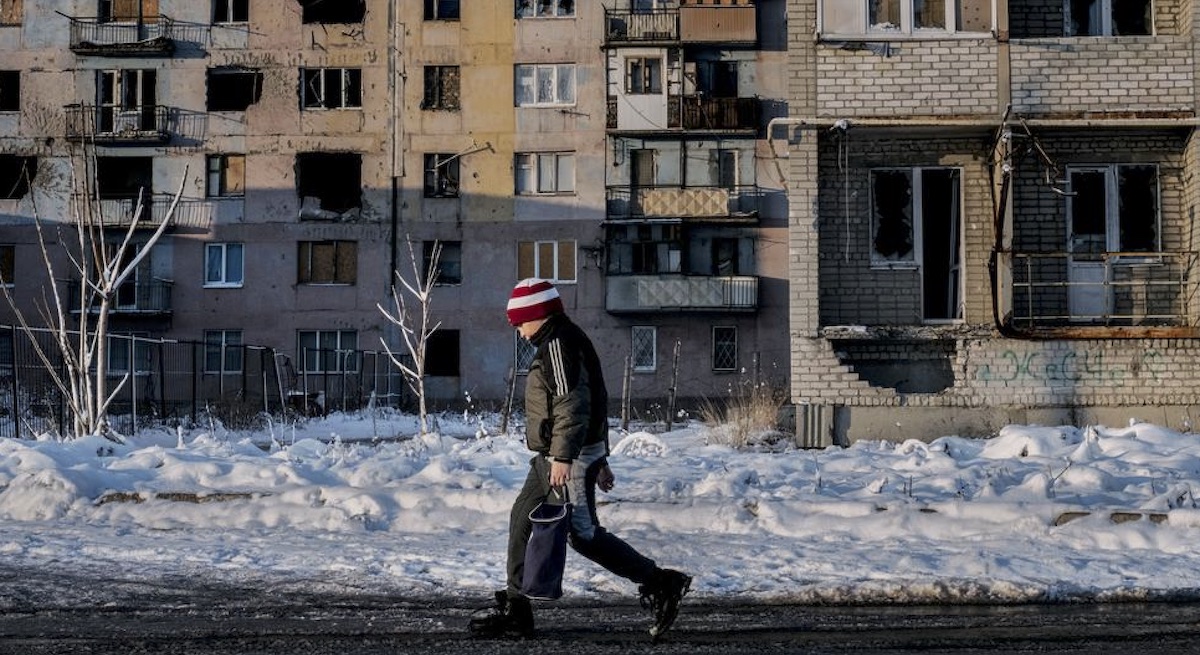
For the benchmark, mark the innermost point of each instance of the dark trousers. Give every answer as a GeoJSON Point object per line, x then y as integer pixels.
{"type": "Point", "coordinates": [603, 548]}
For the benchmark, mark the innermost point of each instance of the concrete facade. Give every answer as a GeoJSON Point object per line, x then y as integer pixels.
{"type": "Point", "coordinates": [341, 144]}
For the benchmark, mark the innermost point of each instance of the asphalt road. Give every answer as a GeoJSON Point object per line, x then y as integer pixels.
{"type": "Point", "coordinates": [44, 614]}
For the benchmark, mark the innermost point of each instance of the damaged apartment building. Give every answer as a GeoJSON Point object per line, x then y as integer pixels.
{"type": "Point", "coordinates": [993, 214]}
{"type": "Point", "coordinates": [619, 149]}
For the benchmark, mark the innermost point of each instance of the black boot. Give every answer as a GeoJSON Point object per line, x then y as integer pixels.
{"type": "Point", "coordinates": [662, 595]}
{"type": "Point", "coordinates": [511, 618]}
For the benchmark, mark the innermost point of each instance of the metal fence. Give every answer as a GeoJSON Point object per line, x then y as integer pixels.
{"type": "Point", "coordinates": [165, 382]}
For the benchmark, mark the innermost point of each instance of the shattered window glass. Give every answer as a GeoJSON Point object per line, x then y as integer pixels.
{"type": "Point", "coordinates": [891, 194]}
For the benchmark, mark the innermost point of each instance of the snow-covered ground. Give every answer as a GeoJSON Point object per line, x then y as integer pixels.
{"type": "Point", "coordinates": [356, 504]}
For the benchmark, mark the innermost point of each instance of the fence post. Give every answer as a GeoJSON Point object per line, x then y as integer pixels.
{"type": "Point", "coordinates": [674, 384]}
{"type": "Point", "coordinates": [16, 385]}
{"type": "Point", "coordinates": [195, 386]}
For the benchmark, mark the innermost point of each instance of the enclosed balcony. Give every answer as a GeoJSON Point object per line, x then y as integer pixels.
{"type": "Point", "coordinates": [152, 298]}
{"type": "Point", "coordinates": [729, 23]}
{"type": "Point", "coordinates": [641, 27]}
{"type": "Point", "coordinates": [680, 293]}
{"type": "Point", "coordinates": [737, 204]}
{"type": "Point", "coordinates": [113, 125]}
{"type": "Point", "coordinates": [146, 35]}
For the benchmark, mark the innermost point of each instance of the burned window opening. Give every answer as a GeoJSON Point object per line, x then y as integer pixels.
{"type": "Point", "coordinates": [10, 90]}
{"type": "Point", "coordinates": [441, 88]}
{"type": "Point", "coordinates": [441, 175]}
{"type": "Point", "coordinates": [332, 11]}
{"type": "Point", "coordinates": [442, 356]}
{"type": "Point", "coordinates": [16, 176]}
{"type": "Point", "coordinates": [124, 178]}
{"type": "Point", "coordinates": [892, 194]}
{"type": "Point", "coordinates": [329, 183]}
{"type": "Point", "coordinates": [233, 89]}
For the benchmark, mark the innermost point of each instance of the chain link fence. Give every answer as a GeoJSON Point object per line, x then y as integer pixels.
{"type": "Point", "coordinates": [165, 382]}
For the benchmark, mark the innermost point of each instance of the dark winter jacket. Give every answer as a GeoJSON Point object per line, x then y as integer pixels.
{"type": "Point", "coordinates": [566, 403]}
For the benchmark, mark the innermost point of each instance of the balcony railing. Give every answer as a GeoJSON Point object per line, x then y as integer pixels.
{"type": "Point", "coordinates": [712, 204]}
{"type": "Point", "coordinates": [1108, 289]}
{"type": "Point", "coordinates": [147, 36]}
{"type": "Point", "coordinates": [120, 212]}
{"type": "Point", "coordinates": [657, 26]}
{"type": "Point", "coordinates": [152, 297]}
{"type": "Point", "coordinates": [680, 293]}
{"type": "Point", "coordinates": [701, 113]}
{"type": "Point", "coordinates": [116, 125]}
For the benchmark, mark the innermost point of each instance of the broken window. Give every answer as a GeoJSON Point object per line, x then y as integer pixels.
{"type": "Point", "coordinates": [128, 11]}
{"type": "Point", "coordinates": [545, 84]}
{"type": "Point", "coordinates": [1109, 17]}
{"type": "Point", "coordinates": [328, 182]}
{"type": "Point", "coordinates": [11, 12]}
{"type": "Point", "coordinates": [328, 262]}
{"type": "Point", "coordinates": [847, 18]}
{"type": "Point", "coordinates": [126, 99]}
{"type": "Point", "coordinates": [449, 269]}
{"type": "Point", "coordinates": [544, 173]}
{"type": "Point", "coordinates": [441, 9]}
{"type": "Point", "coordinates": [724, 256]}
{"type": "Point", "coordinates": [441, 88]}
{"type": "Point", "coordinates": [442, 353]}
{"type": "Point", "coordinates": [643, 75]}
{"type": "Point", "coordinates": [724, 348]}
{"type": "Point", "coordinates": [545, 8]}
{"type": "Point", "coordinates": [124, 178]}
{"type": "Point", "coordinates": [1114, 209]}
{"type": "Point", "coordinates": [333, 11]}
{"type": "Point", "coordinates": [892, 218]}
{"type": "Point", "coordinates": [226, 176]}
{"type": "Point", "coordinates": [10, 90]}
{"type": "Point", "coordinates": [548, 260]}
{"type": "Point", "coordinates": [441, 175]}
{"type": "Point", "coordinates": [233, 89]}
{"type": "Point", "coordinates": [328, 351]}
{"type": "Point", "coordinates": [332, 88]}
{"type": "Point", "coordinates": [7, 266]}
{"type": "Point", "coordinates": [645, 249]}
{"type": "Point", "coordinates": [231, 11]}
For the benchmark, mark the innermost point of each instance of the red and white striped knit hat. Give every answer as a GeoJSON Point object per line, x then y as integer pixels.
{"type": "Point", "coordinates": [531, 300]}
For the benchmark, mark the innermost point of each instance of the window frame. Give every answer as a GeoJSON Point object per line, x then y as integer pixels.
{"type": "Point", "coordinates": [12, 12]}
{"type": "Point", "coordinates": [225, 12]}
{"type": "Point", "coordinates": [434, 10]}
{"type": "Point", "coordinates": [530, 168]}
{"type": "Point", "coordinates": [438, 96]}
{"type": "Point", "coordinates": [844, 20]}
{"type": "Point", "coordinates": [915, 212]}
{"type": "Point", "coordinates": [320, 359]}
{"type": "Point", "coordinates": [117, 361]}
{"type": "Point", "coordinates": [217, 176]}
{"type": "Point", "coordinates": [228, 345]}
{"type": "Point", "coordinates": [535, 256]}
{"type": "Point", "coordinates": [650, 337]}
{"type": "Point", "coordinates": [526, 78]}
{"type": "Point", "coordinates": [726, 343]}
{"type": "Point", "coordinates": [443, 175]}
{"type": "Point", "coordinates": [453, 264]}
{"type": "Point", "coordinates": [315, 88]}
{"type": "Point", "coordinates": [1108, 24]}
{"type": "Point", "coordinates": [222, 251]}
{"type": "Point", "coordinates": [526, 9]}
{"type": "Point", "coordinates": [644, 75]}
{"type": "Point", "coordinates": [344, 273]}
{"type": "Point", "coordinates": [1112, 202]}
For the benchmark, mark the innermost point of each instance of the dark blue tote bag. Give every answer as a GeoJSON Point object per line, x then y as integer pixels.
{"type": "Point", "coordinates": [546, 552]}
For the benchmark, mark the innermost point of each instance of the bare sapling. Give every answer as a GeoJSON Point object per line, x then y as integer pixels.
{"type": "Point", "coordinates": [414, 324]}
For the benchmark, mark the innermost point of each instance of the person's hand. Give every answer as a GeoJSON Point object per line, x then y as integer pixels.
{"type": "Point", "coordinates": [605, 479]}
{"type": "Point", "coordinates": [560, 472]}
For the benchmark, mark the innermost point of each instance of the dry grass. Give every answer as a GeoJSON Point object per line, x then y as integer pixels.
{"type": "Point", "coordinates": [747, 418]}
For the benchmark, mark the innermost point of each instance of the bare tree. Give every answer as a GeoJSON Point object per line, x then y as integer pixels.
{"type": "Point", "coordinates": [80, 333]}
{"type": "Point", "coordinates": [415, 328]}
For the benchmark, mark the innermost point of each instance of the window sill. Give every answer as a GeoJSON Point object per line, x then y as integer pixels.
{"type": "Point", "coordinates": [222, 286]}
{"type": "Point", "coordinates": [878, 37]}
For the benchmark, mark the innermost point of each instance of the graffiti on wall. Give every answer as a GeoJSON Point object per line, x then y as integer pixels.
{"type": "Point", "coordinates": [1094, 366]}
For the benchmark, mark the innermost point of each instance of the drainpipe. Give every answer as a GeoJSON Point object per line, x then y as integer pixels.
{"type": "Point", "coordinates": [396, 80]}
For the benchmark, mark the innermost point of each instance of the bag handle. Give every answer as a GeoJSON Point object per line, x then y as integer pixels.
{"type": "Point", "coordinates": [560, 492]}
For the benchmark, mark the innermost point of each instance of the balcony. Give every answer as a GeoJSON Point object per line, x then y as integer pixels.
{"type": "Point", "coordinates": [738, 204]}
{"type": "Point", "coordinates": [727, 24]}
{"type": "Point", "coordinates": [1121, 293]}
{"type": "Point", "coordinates": [132, 298]}
{"type": "Point", "coordinates": [110, 125]}
{"type": "Point", "coordinates": [145, 36]}
{"type": "Point", "coordinates": [120, 212]}
{"type": "Point", "coordinates": [700, 113]}
{"type": "Point", "coordinates": [680, 293]}
{"type": "Point", "coordinates": [622, 26]}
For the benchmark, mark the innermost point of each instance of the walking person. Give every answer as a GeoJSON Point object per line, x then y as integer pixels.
{"type": "Point", "coordinates": [566, 414]}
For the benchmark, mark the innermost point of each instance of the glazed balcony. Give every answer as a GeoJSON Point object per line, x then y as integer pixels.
{"type": "Point", "coordinates": [139, 36]}
{"type": "Point", "coordinates": [673, 292]}
{"type": "Point", "coordinates": [715, 204]}
{"type": "Point", "coordinates": [109, 125]}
